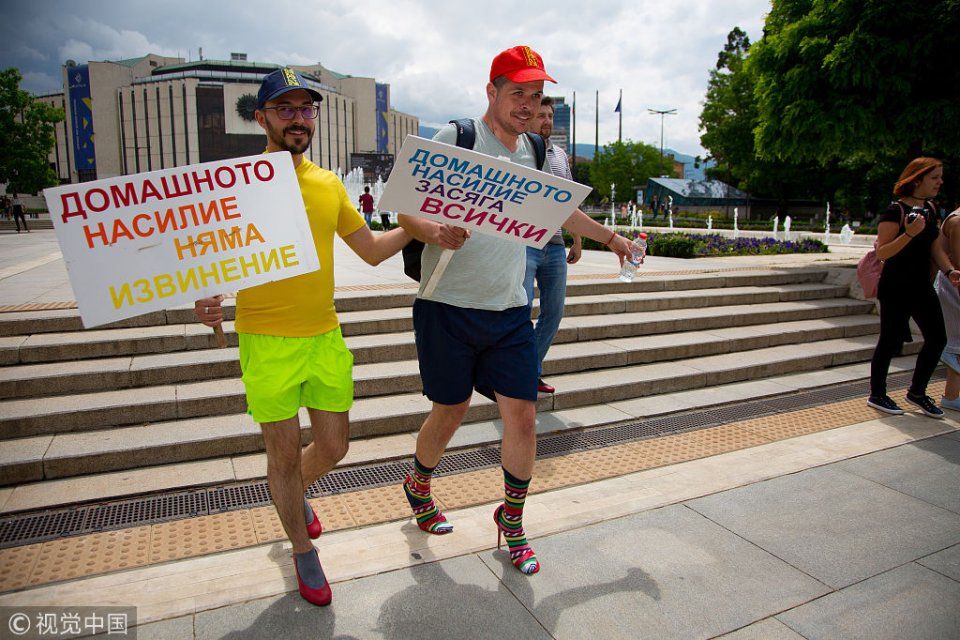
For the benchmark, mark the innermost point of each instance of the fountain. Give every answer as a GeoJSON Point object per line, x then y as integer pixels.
{"type": "Point", "coordinates": [710, 222]}
{"type": "Point", "coordinates": [776, 226]}
{"type": "Point", "coordinates": [846, 234]}
{"type": "Point", "coordinates": [736, 230]}
{"type": "Point", "coordinates": [826, 228]}
{"type": "Point", "coordinates": [670, 210]}
{"type": "Point", "coordinates": [786, 228]}
{"type": "Point", "coordinates": [353, 183]}
{"type": "Point", "coordinates": [613, 205]}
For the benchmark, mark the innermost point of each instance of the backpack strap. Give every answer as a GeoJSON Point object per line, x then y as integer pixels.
{"type": "Point", "coordinates": [539, 148]}
{"type": "Point", "coordinates": [467, 137]}
{"type": "Point", "coordinates": [466, 132]}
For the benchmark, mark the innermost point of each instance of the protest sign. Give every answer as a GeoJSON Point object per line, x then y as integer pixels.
{"type": "Point", "coordinates": [140, 243]}
{"type": "Point", "coordinates": [494, 196]}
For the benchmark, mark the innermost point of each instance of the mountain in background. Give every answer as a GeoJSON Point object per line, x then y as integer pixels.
{"type": "Point", "coordinates": [691, 172]}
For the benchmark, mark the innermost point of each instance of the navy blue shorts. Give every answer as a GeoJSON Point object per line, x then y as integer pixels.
{"type": "Point", "coordinates": [460, 349]}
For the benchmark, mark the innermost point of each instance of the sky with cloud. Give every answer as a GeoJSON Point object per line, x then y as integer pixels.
{"type": "Point", "coordinates": [435, 55]}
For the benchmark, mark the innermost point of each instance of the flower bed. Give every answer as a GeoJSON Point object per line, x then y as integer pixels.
{"type": "Point", "coordinates": [684, 245]}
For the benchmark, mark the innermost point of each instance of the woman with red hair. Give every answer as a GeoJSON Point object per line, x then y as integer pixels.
{"type": "Point", "coordinates": [907, 240]}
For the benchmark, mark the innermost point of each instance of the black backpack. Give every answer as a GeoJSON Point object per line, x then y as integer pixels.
{"type": "Point", "coordinates": [466, 137]}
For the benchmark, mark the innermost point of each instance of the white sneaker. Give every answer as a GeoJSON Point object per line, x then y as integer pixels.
{"type": "Point", "coordinates": [947, 403]}
{"type": "Point", "coordinates": [951, 360]}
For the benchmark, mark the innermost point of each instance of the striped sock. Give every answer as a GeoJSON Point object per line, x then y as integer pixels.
{"type": "Point", "coordinates": [510, 522]}
{"type": "Point", "coordinates": [417, 488]}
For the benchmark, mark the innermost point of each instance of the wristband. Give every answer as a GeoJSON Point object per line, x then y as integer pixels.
{"type": "Point", "coordinates": [908, 235]}
{"type": "Point", "coordinates": [612, 236]}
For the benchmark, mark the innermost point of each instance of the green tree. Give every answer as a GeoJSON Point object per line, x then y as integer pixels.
{"type": "Point", "coordinates": [26, 137]}
{"type": "Point", "coordinates": [581, 174]}
{"type": "Point", "coordinates": [727, 122]}
{"type": "Point", "coordinates": [627, 165]}
{"type": "Point", "coordinates": [729, 115]}
{"type": "Point", "coordinates": [858, 81]}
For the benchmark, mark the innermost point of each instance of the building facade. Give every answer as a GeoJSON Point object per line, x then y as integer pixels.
{"type": "Point", "coordinates": [155, 112]}
{"type": "Point", "coordinates": [561, 124]}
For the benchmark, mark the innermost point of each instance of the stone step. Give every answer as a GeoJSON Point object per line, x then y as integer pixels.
{"type": "Point", "coordinates": [100, 486]}
{"type": "Point", "coordinates": [70, 454]}
{"type": "Point", "coordinates": [66, 320]}
{"type": "Point", "coordinates": [32, 223]}
{"type": "Point", "coordinates": [601, 341]}
{"type": "Point", "coordinates": [66, 377]}
{"type": "Point", "coordinates": [167, 338]}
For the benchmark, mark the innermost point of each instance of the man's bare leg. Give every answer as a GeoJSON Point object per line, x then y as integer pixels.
{"type": "Point", "coordinates": [519, 449]}
{"type": "Point", "coordinates": [437, 429]}
{"type": "Point", "coordinates": [432, 440]}
{"type": "Point", "coordinates": [282, 441]}
{"type": "Point", "coordinates": [518, 453]}
{"type": "Point", "coordinates": [331, 436]}
{"type": "Point", "coordinates": [331, 439]}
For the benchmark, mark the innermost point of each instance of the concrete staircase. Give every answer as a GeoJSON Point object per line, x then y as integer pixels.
{"type": "Point", "coordinates": [155, 390]}
{"type": "Point", "coordinates": [43, 221]}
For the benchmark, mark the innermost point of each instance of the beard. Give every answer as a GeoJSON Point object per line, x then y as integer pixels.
{"type": "Point", "coordinates": [279, 138]}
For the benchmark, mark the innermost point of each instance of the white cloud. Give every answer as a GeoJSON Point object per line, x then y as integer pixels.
{"type": "Point", "coordinates": [94, 40]}
{"type": "Point", "coordinates": [435, 56]}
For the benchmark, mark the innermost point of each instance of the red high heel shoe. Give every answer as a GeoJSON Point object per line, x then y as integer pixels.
{"type": "Point", "coordinates": [522, 556]}
{"type": "Point", "coordinates": [320, 596]}
{"type": "Point", "coordinates": [314, 528]}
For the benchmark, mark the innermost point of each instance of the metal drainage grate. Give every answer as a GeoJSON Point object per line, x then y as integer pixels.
{"type": "Point", "coordinates": [138, 511]}
{"type": "Point", "coordinates": [38, 526]}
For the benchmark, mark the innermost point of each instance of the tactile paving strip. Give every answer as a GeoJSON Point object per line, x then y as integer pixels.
{"type": "Point", "coordinates": [84, 555]}
{"type": "Point", "coordinates": [68, 558]}
{"type": "Point", "coordinates": [200, 536]}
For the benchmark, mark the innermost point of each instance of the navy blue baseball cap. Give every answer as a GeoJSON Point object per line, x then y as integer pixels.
{"type": "Point", "coordinates": [276, 83]}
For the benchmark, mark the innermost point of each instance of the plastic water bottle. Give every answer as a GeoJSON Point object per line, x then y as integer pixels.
{"type": "Point", "coordinates": [637, 254]}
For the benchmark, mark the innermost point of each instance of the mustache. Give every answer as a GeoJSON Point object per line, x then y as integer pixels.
{"type": "Point", "coordinates": [296, 128]}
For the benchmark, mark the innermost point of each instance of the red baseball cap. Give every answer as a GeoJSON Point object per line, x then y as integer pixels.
{"type": "Point", "coordinates": [519, 64]}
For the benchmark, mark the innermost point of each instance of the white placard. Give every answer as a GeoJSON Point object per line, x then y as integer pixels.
{"type": "Point", "coordinates": [150, 241]}
{"type": "Point", "coordinates": [463, 188]}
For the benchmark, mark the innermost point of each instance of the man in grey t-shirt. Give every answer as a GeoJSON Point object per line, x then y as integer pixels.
{"type": "Point", "coordinates": [473, 327]}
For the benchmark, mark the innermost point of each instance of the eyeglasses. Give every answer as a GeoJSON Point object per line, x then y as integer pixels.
{"type": "Point", "coordinates": [308, 112]}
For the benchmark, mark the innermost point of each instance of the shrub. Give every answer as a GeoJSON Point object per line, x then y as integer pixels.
{"type": "Point", "coordinates": [672, 245]}
{"type": "Point", "coordinates": [684, 245]}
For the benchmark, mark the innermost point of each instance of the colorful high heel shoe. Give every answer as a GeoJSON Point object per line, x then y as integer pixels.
{"type": "Point", "coordinates": [429, 517]}
{"type": "Point", "coordinates": [521, 555]}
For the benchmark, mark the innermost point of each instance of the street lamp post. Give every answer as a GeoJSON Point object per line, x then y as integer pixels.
{"type": "Point", "coordinates": [661, 113]}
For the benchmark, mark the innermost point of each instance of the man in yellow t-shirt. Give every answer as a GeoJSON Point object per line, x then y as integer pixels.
{"type": "Point", "coordinates": [292, 353]}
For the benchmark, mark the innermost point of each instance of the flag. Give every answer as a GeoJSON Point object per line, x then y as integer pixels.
{"type": "Point", "coordinates": [617, 110]}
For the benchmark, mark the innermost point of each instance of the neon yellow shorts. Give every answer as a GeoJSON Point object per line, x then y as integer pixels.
{"type": "Point", "coordinates": [283, 374]}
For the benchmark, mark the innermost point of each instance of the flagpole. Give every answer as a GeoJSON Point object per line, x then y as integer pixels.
{"type": "Point", "coordinates": [596, 129]}
{"type": "Point", "coordinates": [573, 118]}
{"type": "Point", "coordinates": [620, 109]}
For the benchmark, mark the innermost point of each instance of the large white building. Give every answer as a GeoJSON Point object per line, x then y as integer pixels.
{"type": "Point", "coordinates": [155, 112]}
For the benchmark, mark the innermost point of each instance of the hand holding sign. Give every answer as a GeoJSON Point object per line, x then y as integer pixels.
{"type": "Point", "coordinates": [449, 237]}
{"type": "Point", "coordinates": [209, 311]}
